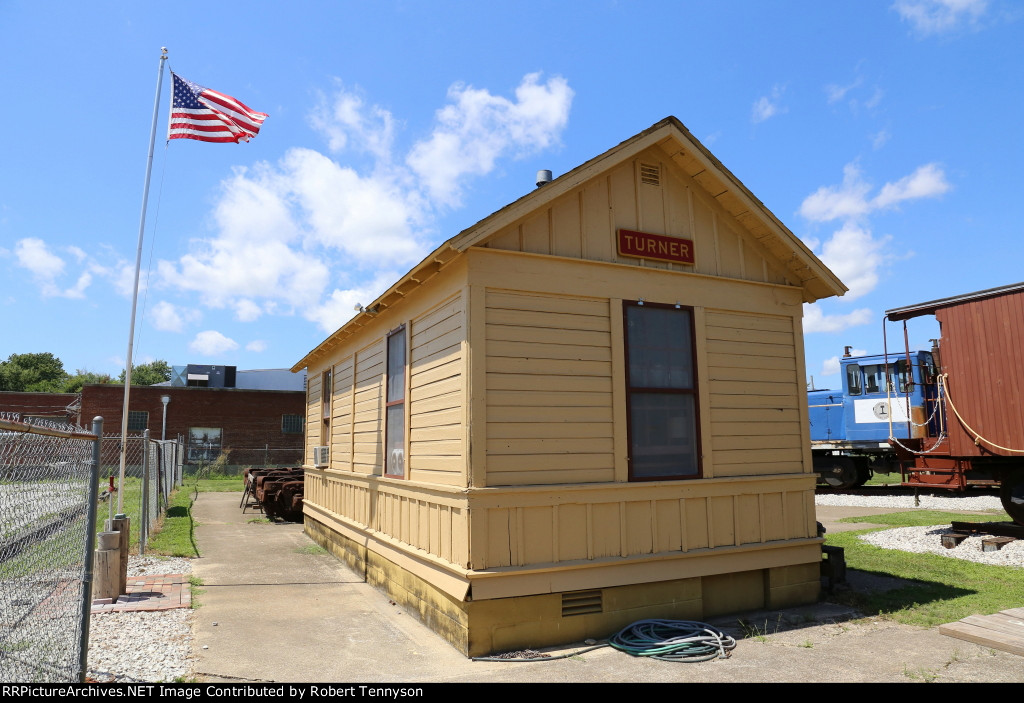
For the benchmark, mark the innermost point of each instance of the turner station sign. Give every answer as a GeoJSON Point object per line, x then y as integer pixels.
{"type": "Point", "coordinates": [643, 245]}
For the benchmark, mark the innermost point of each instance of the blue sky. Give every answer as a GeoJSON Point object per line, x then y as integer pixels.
{"type": "Point", "coordinates": [886, 135]}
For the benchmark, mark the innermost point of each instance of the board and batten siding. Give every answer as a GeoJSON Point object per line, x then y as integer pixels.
{"type": "Point", "coordinates": [754, 394]}
{"type": "Point", "coordinates": [681, 517]}
{"type": "Point", "coordinates": [341, 415]}
{"type": "Point", "coordinates": [549, 389]}
{"type": "Point", "coordinates": [583, 223]}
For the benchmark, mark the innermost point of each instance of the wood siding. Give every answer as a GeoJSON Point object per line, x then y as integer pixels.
{"type": "Point", "coordinates": [549, 389]}
{"type": "Point", "coordinates": [436, 413]}
{"type": "Point", "coordinates": [512, 529]}
{"type": "Point", "coordinates": [981, 350]}
{"type": "Point", "coordinates": [583, 223]}
{"type": "Point", "coordinates": [754, 393]}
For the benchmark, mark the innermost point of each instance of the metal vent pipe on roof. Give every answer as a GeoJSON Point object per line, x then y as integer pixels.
{"type": "Point", "coordinates": [543, 176]}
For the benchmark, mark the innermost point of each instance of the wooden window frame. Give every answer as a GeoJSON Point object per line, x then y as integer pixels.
{"type": "Point", "coordinates": [396, 403]}
{"type": "Point", "coordinates": [693, 391]}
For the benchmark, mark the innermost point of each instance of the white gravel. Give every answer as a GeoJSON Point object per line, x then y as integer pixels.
{"type": "Point", "coordinates": [143, 646]}
{"type": "Point", "coordinates": [928, 540]}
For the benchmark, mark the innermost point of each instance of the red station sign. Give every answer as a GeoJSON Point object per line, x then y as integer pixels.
{"type": "Point", "coordinates": [660, 247]}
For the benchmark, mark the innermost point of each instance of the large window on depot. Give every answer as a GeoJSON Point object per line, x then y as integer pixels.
{"type": "Point", "coordinates": [661, 384]}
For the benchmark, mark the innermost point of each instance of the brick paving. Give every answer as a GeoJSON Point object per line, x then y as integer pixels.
{"type": "Point", "coordinates": [159, 592]}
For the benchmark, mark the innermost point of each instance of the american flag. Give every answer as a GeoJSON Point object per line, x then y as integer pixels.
{"type": "Point", "coordinates": [209, 116]}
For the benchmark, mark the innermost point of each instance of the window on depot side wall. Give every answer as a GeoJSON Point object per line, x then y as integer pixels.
{"type": "Point", "coordinates": [394, 431]}
{"type": "Point", "coordinates": [661, 384]}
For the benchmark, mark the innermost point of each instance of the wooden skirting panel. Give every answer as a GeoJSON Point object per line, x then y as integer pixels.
{"type": "Point", "coordinates": [483, 627]}
{"type": "Point", "coordinates": [558, 524]}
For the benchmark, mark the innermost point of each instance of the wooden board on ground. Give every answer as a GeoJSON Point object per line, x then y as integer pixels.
{"type": "Point", "coordinates": [1003, 631]}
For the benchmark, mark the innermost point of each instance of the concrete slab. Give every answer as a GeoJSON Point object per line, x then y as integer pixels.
{"type": "Point", "coordinates": [274, 607]}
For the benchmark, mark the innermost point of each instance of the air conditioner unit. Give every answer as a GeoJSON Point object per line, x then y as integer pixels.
{"type": "Point", "coordinates": [321, 456]}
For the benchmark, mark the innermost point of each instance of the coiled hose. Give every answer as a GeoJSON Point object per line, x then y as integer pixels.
{"type": "Point", "coordinates": [673, 640]}
{"type": "Point", "coordinates": [669, 640]}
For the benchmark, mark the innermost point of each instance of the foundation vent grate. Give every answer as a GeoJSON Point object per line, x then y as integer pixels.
{"type": "Point", "coordinates": [650, 174]}
{"type": "Point", "coordinates": [582, 603]}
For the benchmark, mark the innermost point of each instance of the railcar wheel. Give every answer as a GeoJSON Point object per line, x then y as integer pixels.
{"type": "Point", "coordinates": [841, 473]}
{"type": "Point", "coordinates": [1011, 492]}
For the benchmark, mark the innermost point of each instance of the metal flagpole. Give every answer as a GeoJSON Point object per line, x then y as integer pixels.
{"type": "Point", "coordinates": [135, 293]}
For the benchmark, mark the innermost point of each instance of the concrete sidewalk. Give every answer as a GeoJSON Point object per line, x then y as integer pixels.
{"type": "Point", "coordinates": [275, 607]}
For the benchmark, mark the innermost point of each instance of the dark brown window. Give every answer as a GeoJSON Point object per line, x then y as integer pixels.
{"type": "Point", "coordinates": [661, 384]}
{"type": "Point", "coordinates": [394, 427]}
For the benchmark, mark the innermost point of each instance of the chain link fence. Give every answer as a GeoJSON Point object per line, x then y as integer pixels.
{"type": "Point", "coordinates": [153, 469]}
{"type": "Point", "coordinates": [48, 486]}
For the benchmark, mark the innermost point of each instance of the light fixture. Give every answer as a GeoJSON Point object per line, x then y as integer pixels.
{"type": "Point", "coordinates": [639, 301]}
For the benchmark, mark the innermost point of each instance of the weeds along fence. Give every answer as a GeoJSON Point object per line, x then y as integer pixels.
{"type": "Point", "coordinates": [48, 495]}
{"type": "Point", "coordinates": [153, 468]}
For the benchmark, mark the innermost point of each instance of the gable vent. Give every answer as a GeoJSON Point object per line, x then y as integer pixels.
{"type": "Point", "coordinates": [581, 603]}
{"type": "Point", "coordinates": [650, 174]}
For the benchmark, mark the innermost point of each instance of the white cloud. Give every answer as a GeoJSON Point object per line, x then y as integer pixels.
{"type": "Point", "coordinates": [879, 139]}
{"type": "Point", "coordinates": [480, 127]}
{"type": "Point", "coordinates": [831, 366]}
{"type": "Point", "coordinates": [855, 256]}
{"type": "Point", "coordinates": [257, 345]}
{"type": "Point", "coordinates": [339, 307]}
{"type": "Point", "coordinates": [835, 93]}
{"type": "Point", "coordinates": [171, 318]}
{"type": "Point", "coordinates": [850, 200]}
{"type": "Point", "coordinates": [927, 181]}
{"type": "Point", "coordinates": [817, 321]}
{"type": "Point", "coordinates": [833, 202]}
{"type": "Point", "coordinates": [345, 118]}
{"type": "Point", "coordinates": [285, 233]}
{"type": "Point", "coordinates": [939, 16]}
{"type": "Point", "coordinates": [247, 311]}
{"type": "Point", "coordinates": [212, 343]}
{"type": "Point", "coordinates": [768, 106]}
{"type": "Point", "coordinates": [46, 267]}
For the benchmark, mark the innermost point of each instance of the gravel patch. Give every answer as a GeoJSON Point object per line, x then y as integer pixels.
{"type": "Point", "coordinates": [928, 540]}
{"type": "Point", "coordinates": [147, 646]}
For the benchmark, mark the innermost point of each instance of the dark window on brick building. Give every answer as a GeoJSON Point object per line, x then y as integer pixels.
{"type": "Point", "coordinates": [291, 424]}
{"type": "Point", "coordinates": [138, 420]}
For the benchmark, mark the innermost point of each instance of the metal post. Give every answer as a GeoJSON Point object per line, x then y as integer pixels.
{"type": "Point", "coordinates": [90, 539]}
{"type": "Point", "coordinates": [138, 268]}
{"type": "Point", "coordinates": [144, 528]}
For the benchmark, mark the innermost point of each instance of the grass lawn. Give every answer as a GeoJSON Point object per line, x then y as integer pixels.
{"type": "Point", "coordinates": [941, 589]}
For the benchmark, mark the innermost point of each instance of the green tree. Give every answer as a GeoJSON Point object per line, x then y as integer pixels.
{"type": "Point", "coordinates": [148, 374]}
{"type": "Point", "coordinates": [82, 377]}
{"type": "Point", "coordinates": [33, 372]}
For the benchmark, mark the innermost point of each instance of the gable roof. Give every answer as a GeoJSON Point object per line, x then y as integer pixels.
{"type": "Point", "coordinates": [691, 156]}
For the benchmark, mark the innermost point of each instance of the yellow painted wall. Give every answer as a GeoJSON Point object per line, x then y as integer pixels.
{"type": "Point", "coordinates": [583, 222]}
{"type": "Point", "coordinates": [516, 404]}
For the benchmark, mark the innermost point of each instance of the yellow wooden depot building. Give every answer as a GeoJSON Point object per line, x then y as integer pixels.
{"type": "Point", "coordinates": [587, 409]}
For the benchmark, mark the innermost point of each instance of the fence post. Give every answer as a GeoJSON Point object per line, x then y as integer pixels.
{"type": "Point", "coordinates": [144, 528]}
{"type": "Point", "coordinates": [90, 512]}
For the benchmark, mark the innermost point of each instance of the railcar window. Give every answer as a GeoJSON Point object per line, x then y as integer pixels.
{"type": "Point", "coordinates": [853, 384]}
{"type": "Point", "coordinates": [874, 378]}
{"type": "Point", "coordinates": [903, 375]}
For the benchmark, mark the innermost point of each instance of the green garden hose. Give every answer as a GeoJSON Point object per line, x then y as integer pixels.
{"type": "Point", "coordinates": [673, 640]}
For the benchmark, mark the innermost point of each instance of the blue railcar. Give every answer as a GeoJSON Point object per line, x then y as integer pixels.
{"type": "Point", "coordinates": [881, 398]}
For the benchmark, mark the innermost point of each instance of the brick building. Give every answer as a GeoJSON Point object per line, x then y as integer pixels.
{"type": "Point", "coordinates": [257, 426]}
